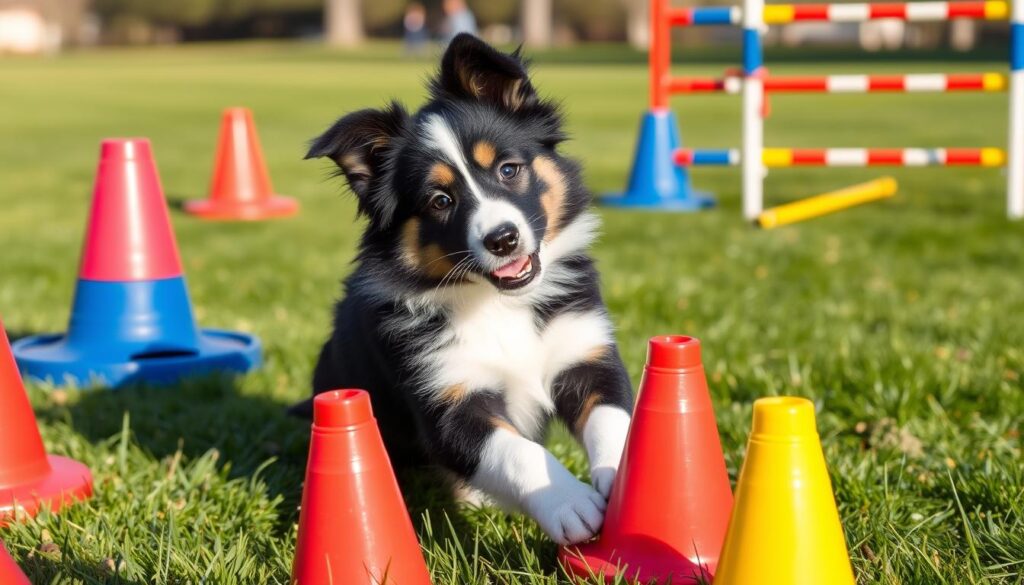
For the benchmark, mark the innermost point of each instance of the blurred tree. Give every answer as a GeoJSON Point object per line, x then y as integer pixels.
{"type": "Point", "coordinates": [489, 12]}
{"type": "Point", "coordinates": [638, 29]}
{"type": "Point", "coordinates": [536, 22]}
{"type": "Point", "coordinates": [383, 15]}
{"type": "Point", "coordinates": [343, 23]}
{"type": "Point", "coordinates": [601, 20]}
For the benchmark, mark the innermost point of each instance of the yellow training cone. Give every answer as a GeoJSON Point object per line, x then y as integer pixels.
{"type": "Point", "coordinates": [784, 528]}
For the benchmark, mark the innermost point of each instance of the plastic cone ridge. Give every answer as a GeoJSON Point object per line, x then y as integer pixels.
{"type": "Point", "coordinates": [10, 572]}
{"type": "Point", "coordinates": [353, 526]}
{"type": "Point", "coordinates": [129, 235]}
{"type": "Point", "coordinates": [670, 505]}
{"type": "Point", "coordinates": [240, 188]}
{"type": "Point", "coordinates": [29, 478]}
{"type": "Point", "coordinates": [785, 527]}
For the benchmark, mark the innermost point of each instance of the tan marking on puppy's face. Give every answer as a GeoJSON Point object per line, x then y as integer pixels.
{"type": "Point", "coordinates": [453, 393]}
{"type": "Point", "coordinates": [435, 262]}
{"type": "Point", "coordinates": [410, 246]}
{"type": "Point", "coordinates": [429, 259]}
{"type": "Point", "coordinates": [554, 197]}
{"type": "Point", "coordinates": [500, 423]}
{"type": "Point", "coordinates": [484, 154]}
{"type": "Point", "coordinates": [588, 407]}
{"type": "Point", "coordinates": [596, 353]}
{"type": "Point", "coordinates": [441, 175]}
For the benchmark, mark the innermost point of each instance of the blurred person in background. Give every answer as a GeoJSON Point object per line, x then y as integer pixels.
{"type": "Point", "coordinates": [458, 19]}
{"type": "Point", "coordinates": [415, 25]}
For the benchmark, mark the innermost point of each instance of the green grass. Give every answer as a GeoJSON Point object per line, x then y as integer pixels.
{"type": "Point", "coordinates": [902, 320]}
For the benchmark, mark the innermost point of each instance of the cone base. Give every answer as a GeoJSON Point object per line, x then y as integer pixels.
{"type": "Point", "coordinates": [694, 201]}
{"type": "Point", "coordinates": [269, 208]}
{"type": "Point", "coordinates": [644, 562]}
{"type": "Point", "coordinates": [52, 358]}
{"type": "Point", "coordinates": [67, 482]}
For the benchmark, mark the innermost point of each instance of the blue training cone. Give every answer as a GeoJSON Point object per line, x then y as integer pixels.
{"type": "Point", "coordinates": [656, 182]}
{"type": "Point", "coordinates": [131, 320]}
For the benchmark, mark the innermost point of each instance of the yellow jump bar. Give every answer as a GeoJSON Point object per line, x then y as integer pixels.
{"type": "Point", "coordinates": [827, 203]}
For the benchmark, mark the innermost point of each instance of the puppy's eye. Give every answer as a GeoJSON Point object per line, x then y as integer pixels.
{"type": "Point", "coordinates": [508, 171]}
{"type": "Point", "coordinates": [441, 201]}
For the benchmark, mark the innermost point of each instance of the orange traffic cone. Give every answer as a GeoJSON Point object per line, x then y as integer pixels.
{"type": "Point", "coordinates": [10, 573]}
{"type": "Point", "coordinates": [670, 504]}
{"type": "Point", "coordinates": [241, 188]}
{"type": "Point", "coordinates": [29, 478]}
{"type": "Point", "coordinates": [785, 529]}
{"type": "Point", "coordinates": [354, 528]}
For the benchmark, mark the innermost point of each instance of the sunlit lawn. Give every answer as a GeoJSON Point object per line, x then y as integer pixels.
{"type": "Point", "coordinates": [903, 320]}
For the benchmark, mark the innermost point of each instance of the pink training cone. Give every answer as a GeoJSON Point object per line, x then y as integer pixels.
{"type": "Point", "coordinates": [241, 189]}
{"type": "Point", "coordinates": [131, 319]}
{"type": "Point", "coordinates": [29, 478]}
{"type": "Point", "coordinates": [129, 236]}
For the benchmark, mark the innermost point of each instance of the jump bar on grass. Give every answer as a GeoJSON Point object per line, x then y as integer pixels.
{"type": "Point", "coordinates": [913, 83]}
{"type": "Point", "coordinates": [847, 157]}
{"type": "Point", "coordinates": [787, 13]}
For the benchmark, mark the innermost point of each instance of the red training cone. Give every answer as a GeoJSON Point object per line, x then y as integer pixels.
{"type": "Point", "coordinates": [10, 573]}
{"type": "Point", "coordinates": [241, 188]}
{"type": "Point", "coordinates": [669, 507]}
{"type": "Point", "coordinates": [353, 527]}
{"type": "Point", "coordinates": [29, 478]}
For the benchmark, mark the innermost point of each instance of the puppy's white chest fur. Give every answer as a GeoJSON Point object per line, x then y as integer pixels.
{"type": "Point", "coordinates": [496, 344]}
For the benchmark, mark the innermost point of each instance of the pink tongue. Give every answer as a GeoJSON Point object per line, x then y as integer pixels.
{"type": "Point", "coordinates": [513, 268]}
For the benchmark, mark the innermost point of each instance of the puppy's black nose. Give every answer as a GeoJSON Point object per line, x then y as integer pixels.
{"type": "Point", "coordinates": [503, 240]}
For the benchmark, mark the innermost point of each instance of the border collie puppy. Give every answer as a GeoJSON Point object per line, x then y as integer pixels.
{"type": "Point", "coordinates": [473, 315]}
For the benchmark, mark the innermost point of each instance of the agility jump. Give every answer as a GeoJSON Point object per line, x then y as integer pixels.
{"type": "Point", "coordinates": [660, 178]}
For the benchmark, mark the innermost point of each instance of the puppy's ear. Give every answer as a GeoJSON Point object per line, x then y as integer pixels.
{"type": "Point", "coordinates": [361, 144]}
{"type": "Point", "coordinates": [472, 69]}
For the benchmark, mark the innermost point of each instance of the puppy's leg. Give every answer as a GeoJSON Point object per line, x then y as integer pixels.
{"type": "Point", "coordinates": [477, 440]}
{"type": "Point", "coordinates": [595, 399]}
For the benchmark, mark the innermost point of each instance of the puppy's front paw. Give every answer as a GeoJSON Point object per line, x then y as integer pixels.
{"type": "Point", "coordinates": [602, 479]}
{"type": "Point", "coordinates": [568, 516]}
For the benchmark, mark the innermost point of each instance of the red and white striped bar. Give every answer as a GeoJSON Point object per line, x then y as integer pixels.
{"type": "Point", "coordinates": [910, 11]}
{"type": "Point", "coordinates": [912, 83]}
{"type": "Point", "coordinates": [788, 13]}
{"type": "Point", "coordinates": [849, 157]}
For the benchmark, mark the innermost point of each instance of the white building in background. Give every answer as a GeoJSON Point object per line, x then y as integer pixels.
{"type": "Point", "coordinates": [24, 31]}
{"type": "Point", "coordinates": [34, 27]}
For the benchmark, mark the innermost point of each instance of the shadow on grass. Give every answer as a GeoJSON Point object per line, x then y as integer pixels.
{"type": "Point", "coordinates": [177, 202]}
{"type": "Point", "coordinates": [194, 417]}
{"type": "Point", "coordinates": [16, 334]}
{"type": "Point", "coordinates": [246, 429]}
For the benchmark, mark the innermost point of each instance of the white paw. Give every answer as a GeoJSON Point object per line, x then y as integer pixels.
{"type": "Point", "coordinates": [605, 437]}
{"type": "Point", "coordinates": [602, 479]}
{"type": "Point", "coordinates": [568, 514]}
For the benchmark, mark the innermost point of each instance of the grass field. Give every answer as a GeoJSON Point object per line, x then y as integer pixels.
{"type": "Point", "coordinates": [903, 320]}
